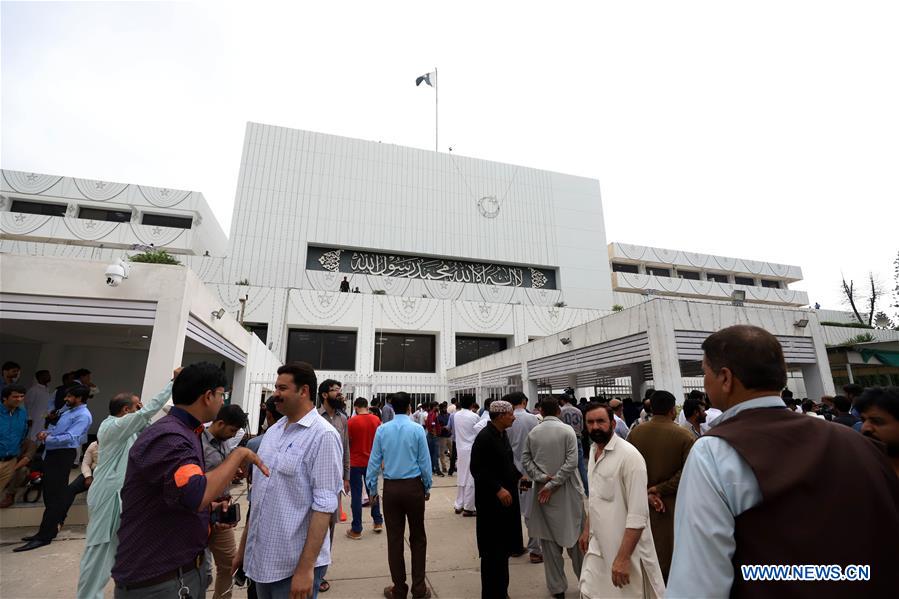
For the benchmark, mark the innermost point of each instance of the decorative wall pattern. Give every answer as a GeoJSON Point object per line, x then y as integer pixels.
{"type": "Point", "coordinates": [31, 183]}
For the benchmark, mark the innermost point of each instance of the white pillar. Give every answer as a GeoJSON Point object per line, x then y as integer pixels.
{"type": "Point", "coordinates": [666, 372]}
{"type": "Point", "coordinates": [817, 376]}
{"type": "Point", "coordinates": [167, 342]}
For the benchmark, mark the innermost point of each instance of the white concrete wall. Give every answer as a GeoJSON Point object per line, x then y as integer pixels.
{"type": "Point", "coordinates": [205, 235]}
{"type": "Point", "coordinates": [298, 188]}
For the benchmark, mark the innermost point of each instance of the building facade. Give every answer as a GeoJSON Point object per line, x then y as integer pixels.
{"type": "Point", "coordinates": [454, 259]}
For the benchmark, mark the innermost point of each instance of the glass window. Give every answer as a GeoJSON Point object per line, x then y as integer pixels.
{"type": "Point", "coordinates": [329, 350]}
{"type": "Point", "coordinates": [658, 272]}
{"type": "Point", "coordinates": [23, 207]}
{"type": "Point", "coordinates": [770, 284]}
{"type": "Point", "coordinates": [160, 220]}
{"type": "Point", "coordinates": [631, 268]}
{"type": "Point", "coordinates": [688, 274]}
{"type": "Point", "coordinates": [401, 352]}
{"type": "Point", "coordinates": [113, 216]}
{"type": "Point", "coordinates": [472, 348]}
{"type": "Point", "coordinates": [744, 281]}
{"type": "Point", "coordinates": [711, 276]}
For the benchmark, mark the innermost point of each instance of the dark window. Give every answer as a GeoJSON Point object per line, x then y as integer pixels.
{"type": "Point", "coordinates": [631, 268]}
{"type": "Point", "coordinates": [770, 284]}
{"type": "Point", "coordinates": [328, 350]}
{"type": "Point", "coordinates": [399, 352]}
{"type": "Point", "coordinates": [260, 330]}
{"type": "Point", "coordinates": [24, 207]}
{"type": "Point", "coordinates": [174, 222]}
{"type": "Point", "coordinates": [113, 216]}
{"type": "Point", "coordinates": [744, 281]}
{"type": "Point", "coordinates": [472, 348]}
{"type": "Point", "coordinates": [688, 274]}
{"type": "Point", "coordinates": [711, 276]}
{"type": "Point", "coordinates": [659, 272]}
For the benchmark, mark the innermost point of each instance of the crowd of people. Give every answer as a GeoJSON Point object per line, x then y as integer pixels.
{"type": "Point", "coordinates": [645, 503]}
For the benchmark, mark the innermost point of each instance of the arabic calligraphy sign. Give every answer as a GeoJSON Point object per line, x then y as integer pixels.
{"type": "Point", "coordinates": [433, 269]}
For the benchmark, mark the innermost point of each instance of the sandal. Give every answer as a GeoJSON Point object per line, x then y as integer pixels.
{"type": "Point", "coordinates": [323, 586]}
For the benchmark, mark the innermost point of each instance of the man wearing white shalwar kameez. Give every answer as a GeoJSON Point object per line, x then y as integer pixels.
{"type": "Point", "coordinates": [464, 435]}
{"type": "Point", "coordinates": [617, 527]}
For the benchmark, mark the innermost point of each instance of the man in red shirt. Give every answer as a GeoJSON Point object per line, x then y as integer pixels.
{"type": "Point", "coordinates": [361, 432]}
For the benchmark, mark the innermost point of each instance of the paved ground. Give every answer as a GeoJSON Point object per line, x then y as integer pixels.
{"type": "Point", "coordinates": [359, 568]}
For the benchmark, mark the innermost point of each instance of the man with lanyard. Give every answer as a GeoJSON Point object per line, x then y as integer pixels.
{"type": "Point", "coordinates": [167, 495]}
{"type": "Point", "coordinates": [62, 442]}
{"type": "Point", "coordinates": [216, 448]}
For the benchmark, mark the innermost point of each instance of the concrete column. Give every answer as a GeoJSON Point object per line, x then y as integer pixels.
{"type": "Point", "coordinates": [167, 342]}
{"type": "Point", "coordinates": [849, 371]}
{"type": "Point", "coordinates": [519, 324]}
{"type": "Point", "coordinates": [572, 382]}
{"type": "Point", "coordinates": [666, 372]}
{"type": "Point", "coordinates": [817, 377]}
{"type": "Point", "coordinates": [528, 387]}
{"type": "Point", "coordinates": [277, 328]}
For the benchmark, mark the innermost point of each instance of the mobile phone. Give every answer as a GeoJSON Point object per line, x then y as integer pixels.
{"type": "Point", "coordinates": [229, 516]}
{"type": "Point", "coordinates": [525, 485]}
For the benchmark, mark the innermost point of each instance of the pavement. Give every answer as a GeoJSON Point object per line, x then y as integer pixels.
{"type": "Point", "coordinates": [358, 569]}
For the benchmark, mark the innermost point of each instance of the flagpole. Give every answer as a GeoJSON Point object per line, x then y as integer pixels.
{"type": "Point", "coordinates": [436, 148]}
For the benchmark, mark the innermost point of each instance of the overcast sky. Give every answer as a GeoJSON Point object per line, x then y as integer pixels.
{"type": "Point", "coordinates": [762, 130]}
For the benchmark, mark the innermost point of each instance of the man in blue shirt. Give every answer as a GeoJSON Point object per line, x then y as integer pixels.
{"type": "Point", "coordinates": [61, 441]}
{"type": "Point", "coordinates": [402, 446]}
{"type": "Point", "coordinates": [13, 434]}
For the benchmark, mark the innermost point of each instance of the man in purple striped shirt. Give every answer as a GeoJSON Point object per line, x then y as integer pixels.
{"type": "Point", "coordinates": [167, 494]}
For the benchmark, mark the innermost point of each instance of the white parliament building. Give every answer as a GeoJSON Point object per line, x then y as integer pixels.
{"type": "Point", "coordinates": [472, 276]}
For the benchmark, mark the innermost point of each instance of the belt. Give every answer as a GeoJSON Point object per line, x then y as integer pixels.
{"type": "Point", "coordinates": [8, 458]}
{"type": "Point", "coordinates": [194, 564]}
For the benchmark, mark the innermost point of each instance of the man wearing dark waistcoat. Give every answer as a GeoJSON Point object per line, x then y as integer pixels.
{"type": "Point", "coordinates": [496, 479]}
{"type": "Point", "coordinates": [753, 491]}
{"type": "Point", "coordinates": [167, 493]}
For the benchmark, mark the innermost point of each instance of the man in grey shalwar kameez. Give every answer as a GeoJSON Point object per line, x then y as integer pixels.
{"type": "Point", "coordinates": [518, 434]}
{"type": "Point", "coordinates": [550, 459]}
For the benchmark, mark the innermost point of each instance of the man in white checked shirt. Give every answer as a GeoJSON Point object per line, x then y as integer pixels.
{"type": "Point", "coordinates": [286, 546]}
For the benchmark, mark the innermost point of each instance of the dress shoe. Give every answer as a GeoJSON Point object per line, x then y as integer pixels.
{"type": "Point", "coordinates": [469, 513]}
{"type": "Point", "coordinates": [351, 534]}
{"type": "Point", "coordinates": [559, 596]}
{"type": "Point", "coordinates": [378, 528]}
{"type": "Point", "coordinates": [426, 595]}
{"type": "Point", "coordinates": [8, 500]}
{"type": "Point", "coordinates": [458, 510]}
{"type": "Point", "coordinates": [388, 594]}
{"type": "Point", "coordinates": [536, 558]}
{"type": "Point", "coordinates": [33, 544]}
{"type": "Point", "coordinates": [518, 552]}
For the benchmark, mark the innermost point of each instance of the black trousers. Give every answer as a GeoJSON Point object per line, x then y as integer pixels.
{"type": "Point", "coordinates": [405, 500]}
{"type": "Point", "coordinates": [55, 483]}
{"type": "Point", "coordinates": [75, 488]}
{"type": "Point", "coordinates": [494, 576]}
{"type": "Point", "coordinates": [453, 457]}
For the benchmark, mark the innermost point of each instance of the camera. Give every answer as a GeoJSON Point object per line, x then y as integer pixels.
{"type": "Point", "coordinates": [229, 516]}
{"type": "Point", "coordinates": [116, 272]}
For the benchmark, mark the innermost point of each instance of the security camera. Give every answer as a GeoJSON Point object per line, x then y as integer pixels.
{"type": "Point", "coordinates": [117, 271]}
{"type": "Point", "coordinates": [565, 340]}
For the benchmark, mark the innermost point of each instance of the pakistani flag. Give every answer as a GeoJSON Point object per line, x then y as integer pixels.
{"type": "Point", "coordinates": [426, 78]}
